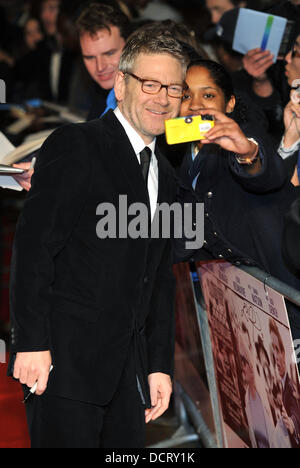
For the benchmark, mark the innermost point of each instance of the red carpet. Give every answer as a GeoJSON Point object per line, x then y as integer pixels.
{"type": "Point", "coordinates": [13, 428]}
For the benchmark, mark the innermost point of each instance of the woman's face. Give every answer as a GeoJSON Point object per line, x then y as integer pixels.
{"type": "Point", "coordinates": [292, 68]}
{"type": "Point", "coordinates": [203, 93]}
{"type": "Point", "coordinates": [33, 34]}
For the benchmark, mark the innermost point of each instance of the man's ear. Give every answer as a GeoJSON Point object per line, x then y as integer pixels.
{"type": "Point", "coordinates": [120, 86]}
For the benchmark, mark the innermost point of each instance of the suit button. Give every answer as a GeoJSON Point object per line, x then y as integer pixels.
{"type": "Point", "coordinates": [238, 263]}
{"type": "Point", "coordinates": [210, 195]}
{"type": "Point", "coordinates": [220, 256]}
{"type": "Point", "coordinates": [146, 280]}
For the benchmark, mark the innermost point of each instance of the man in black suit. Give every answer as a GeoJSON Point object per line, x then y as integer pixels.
{"type": "Point", "coordinates": [100, 311]}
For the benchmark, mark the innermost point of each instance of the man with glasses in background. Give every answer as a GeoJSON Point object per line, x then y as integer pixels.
{"type": "Point", "coordinates": [100, 311]}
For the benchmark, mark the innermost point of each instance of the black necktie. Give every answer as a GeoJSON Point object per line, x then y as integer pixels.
{"type": "Point", "coordinates": [145, 162]}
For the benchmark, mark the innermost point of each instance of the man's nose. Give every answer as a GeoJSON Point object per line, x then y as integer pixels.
{"type": "Point", "coordinates": [100, 64]}
{"type": "Point", "coordinates": [162, 97]}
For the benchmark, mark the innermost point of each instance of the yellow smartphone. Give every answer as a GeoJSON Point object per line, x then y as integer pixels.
{"type": "Point", "coordinates": [188, 129]}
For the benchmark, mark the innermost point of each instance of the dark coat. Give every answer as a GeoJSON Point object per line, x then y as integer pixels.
{"type": "Point", "coordinates": [32, 74]}
{"type": "Point", "coordinates": [84, 298]}
{"type": "Point", "coordinates": [291, 236]}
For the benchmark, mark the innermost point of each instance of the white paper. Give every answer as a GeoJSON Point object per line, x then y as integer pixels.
{"type": "Point", "coordinates": [251, 32]}
{"type": "Point", "coordinates": [8, 182]}
{"type": "Point", "coordinates": [5, 146]}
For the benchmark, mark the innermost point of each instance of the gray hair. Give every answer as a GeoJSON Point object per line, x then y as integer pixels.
{"type": "Point", "coordinates": [143, 41]}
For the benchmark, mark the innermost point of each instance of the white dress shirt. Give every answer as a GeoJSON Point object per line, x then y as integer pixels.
{"type": "Point", "coordinates": [138, 145]}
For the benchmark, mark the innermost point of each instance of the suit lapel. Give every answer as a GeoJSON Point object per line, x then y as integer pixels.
{"type": "Point", "coordinates": [164, 190]}
{"type": "Point", "coordinates": [122, 158]}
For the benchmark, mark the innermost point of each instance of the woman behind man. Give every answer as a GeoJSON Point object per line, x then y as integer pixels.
{"type": "Point", "coordinates": [239, 177]}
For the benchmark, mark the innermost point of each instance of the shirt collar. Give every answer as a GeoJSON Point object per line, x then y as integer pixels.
{"type": "Point", "coordinates": [135, 139]}
{"type": "Point", "coordinates": [195, 151]}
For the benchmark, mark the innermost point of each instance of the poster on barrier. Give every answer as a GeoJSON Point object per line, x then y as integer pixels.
{"type": "Point", "coordinates": [190, 369]}
{"type": "Point", "coordinates": [254, 358]}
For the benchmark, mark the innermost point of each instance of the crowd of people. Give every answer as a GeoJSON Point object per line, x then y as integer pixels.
{"type": "Point", "coordinates": [131, 65]}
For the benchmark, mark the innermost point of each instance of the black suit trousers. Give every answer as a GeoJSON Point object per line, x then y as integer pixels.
{"type": "Point", "coordinates": [56, 422]}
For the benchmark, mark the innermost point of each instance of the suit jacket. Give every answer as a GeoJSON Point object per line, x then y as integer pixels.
{"type": "Point", "coordinates": [32, 74]}
{"type": "Point", "coordinates": [84, 298]}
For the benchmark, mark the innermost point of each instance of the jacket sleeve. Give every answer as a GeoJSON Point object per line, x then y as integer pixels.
{"type": "Point", "coordinates": [59, 189]}
{"type": "Point", "coordinates": [273, 174]}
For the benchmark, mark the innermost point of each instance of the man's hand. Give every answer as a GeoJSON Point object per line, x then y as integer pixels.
{"type": "Point", "coordinates": [256, 62]}
{"type": "Point", "coordinates": [160, 391]}
{"type": "Point", "coordinates": [24, 179]}
{"type": "Point", "coordinates": [33, 367]}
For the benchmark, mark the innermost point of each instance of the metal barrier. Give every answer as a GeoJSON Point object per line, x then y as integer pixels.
{"type": "Point", "coordinates": [191, 419]}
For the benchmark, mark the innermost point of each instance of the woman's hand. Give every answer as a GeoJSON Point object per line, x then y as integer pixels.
{"type": "Point", "coordinates": [228, 134]}
{"type": "Point", "coordinates": [292, 124]}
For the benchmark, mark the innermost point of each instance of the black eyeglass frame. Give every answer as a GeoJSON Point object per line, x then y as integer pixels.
{"type": "Point", "coordinates": [167, 87]}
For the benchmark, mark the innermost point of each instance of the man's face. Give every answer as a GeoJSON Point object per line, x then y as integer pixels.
{"type": "Point", "coordinates": [279, 355]}
{"type": "Point", "coordinates": [217, 8]}
{"type": "Point", "coordinates": [293, 63]}
{"type": "Point", "coordinates": [49, 14]}
{"type": "Point", "coordinates": [101, 54]}
{"type": "Point", "coordinates": [147, 112]}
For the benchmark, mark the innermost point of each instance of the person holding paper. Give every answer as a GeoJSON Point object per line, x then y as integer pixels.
{"type": "Point", "coordinates": [249, 72]}
{"type": "Point", "coordinates": [24, 180]}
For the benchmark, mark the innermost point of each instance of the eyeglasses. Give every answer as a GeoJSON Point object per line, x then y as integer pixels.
{"type": "Point", "coordinates": [154, 87]}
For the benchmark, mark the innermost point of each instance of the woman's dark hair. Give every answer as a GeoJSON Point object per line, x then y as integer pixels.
{"type": "Point", "coordinates": [223, 80]}
{"type": "Point", "coordinates": [218, 73]}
